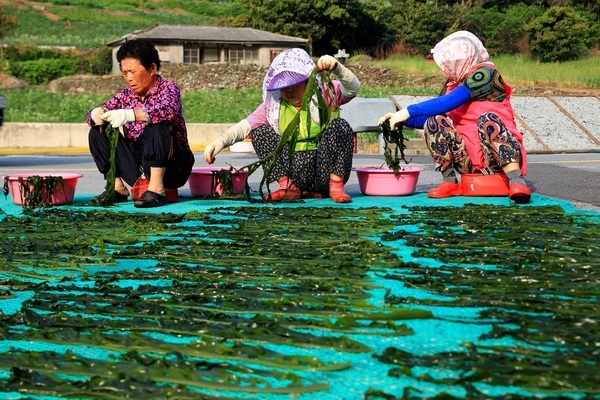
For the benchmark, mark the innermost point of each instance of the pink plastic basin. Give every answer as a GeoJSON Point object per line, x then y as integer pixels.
{"type": "Point", "coordinates": [374, 181]}
{"type": "Point", "coordinates": [61, 195]}
{"type": "Point", "coordinates": [484, 185]}
{"type": "Point", "coordinates": [201, 181]}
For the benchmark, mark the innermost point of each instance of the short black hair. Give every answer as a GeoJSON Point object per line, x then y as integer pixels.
{"type": "Point", "coordinates": [142, 50]}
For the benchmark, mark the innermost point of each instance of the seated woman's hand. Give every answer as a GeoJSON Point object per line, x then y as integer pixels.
{"type": "Point", "coordinates": [211, 151]}
{"type": "Point", "coordinates": [327, 63]}
{"type": "Point", "coordinates": [118, 118]}
{"type": "Point", "coordinates": [395, 118]}
{"type": "Point", "coordinates": [96, 116]}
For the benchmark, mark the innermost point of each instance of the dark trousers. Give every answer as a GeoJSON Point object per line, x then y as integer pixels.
{"type": "Point", "coordinates": [157, 147]}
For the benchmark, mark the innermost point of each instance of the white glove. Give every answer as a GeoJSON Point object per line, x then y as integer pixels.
{"type": "Point", "coordinates": [235, 133]}
{"type": "Point", "coordinates": [96, 116]}
{"type": "Point", "coordinates": [349, 81]}
{"type": "Point", "coordinates": [395, 118]}
{"type": "Point", "coordinates": [118, 118]}
{"type": "Point", "coordinates": [211, 151]}
{"type": "Point", "coordinates": [327, 63]}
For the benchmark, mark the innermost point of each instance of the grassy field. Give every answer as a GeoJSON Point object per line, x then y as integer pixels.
{"type": "Point", "coordinates": [207, 106]}
{"type": "Point", "coordinates": [226, 106]}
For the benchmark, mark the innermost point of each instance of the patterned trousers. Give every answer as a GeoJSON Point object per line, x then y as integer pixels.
{"type": "Point", "coordinates": [310, 170]}
{"type": "Point", "coordinates": [448, 148]}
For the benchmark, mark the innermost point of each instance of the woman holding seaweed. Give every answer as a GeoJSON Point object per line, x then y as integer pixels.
{"type": "Point", "coordinates": [319, 161]}
{"type": "Point", "coordinates": [154, 141]}
{"type": "Point", "coordinates": [470, 128]}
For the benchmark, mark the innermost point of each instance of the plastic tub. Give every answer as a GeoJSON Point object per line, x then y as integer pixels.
{"type": "Point", "coordinates": [484, 185]}
{"type": "Point", "coordinates": [63, 194]}
{"type": "Point", "coordinates": [374, 181]}
{"type": "Point", "coordinates": [201, 181]}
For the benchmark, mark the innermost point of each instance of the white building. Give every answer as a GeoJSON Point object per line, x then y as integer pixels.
{"type": "Point", "coordinates": [211, 44]}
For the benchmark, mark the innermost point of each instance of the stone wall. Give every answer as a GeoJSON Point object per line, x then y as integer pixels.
{"type": "Point", "coordinates": [212, 77]}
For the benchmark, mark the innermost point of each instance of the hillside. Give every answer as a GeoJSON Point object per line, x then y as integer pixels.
{"type": "Point", "coordinates": [85, 24]}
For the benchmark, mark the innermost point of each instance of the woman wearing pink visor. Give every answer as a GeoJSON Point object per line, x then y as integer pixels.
{"type": "Point", "coordinates": [317, 169]}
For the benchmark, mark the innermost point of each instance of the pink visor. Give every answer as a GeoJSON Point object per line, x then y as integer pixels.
{"type": "Point", "coordinates": [286, 79]}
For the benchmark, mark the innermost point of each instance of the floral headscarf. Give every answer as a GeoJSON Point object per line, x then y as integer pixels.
{"type": "Point", "coordinates": [293, 62]}
{"type": "Point", "coordinates": [459, 54]}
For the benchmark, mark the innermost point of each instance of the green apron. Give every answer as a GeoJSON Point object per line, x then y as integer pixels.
{"type": "Point", "coordinates": [306, 139]}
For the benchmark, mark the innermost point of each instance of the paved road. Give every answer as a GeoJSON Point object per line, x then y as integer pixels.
{"type": "Point", "coordinates": [571, 176]}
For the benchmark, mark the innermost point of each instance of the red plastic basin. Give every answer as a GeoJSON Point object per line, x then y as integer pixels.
{"type": "Point", "coordinates": [484, 185]}
{"type": "Point", "coordinates": [60, 195]}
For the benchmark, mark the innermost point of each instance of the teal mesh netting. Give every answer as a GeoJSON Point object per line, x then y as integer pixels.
{"type": "Point", "coordinates": [386, 298]}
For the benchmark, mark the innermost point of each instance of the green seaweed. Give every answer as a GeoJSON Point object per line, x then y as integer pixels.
{"type": "Point", "coordinates": [248, 301]}
{"type": "Point", "coordinates": [229, 310]}
{"type": "Point", "coordinates": [109, 189]}
{"type": "Point", "coordinates": [531, 270]}
{"type": "Point", "coordinates": [393, 138]}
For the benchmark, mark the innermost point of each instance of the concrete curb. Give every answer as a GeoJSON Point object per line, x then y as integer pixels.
{"type": "Point", "coordinates": [30, 135]}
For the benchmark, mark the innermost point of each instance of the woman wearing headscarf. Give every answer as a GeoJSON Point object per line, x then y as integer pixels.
{"type": "Point", "coordinates": [470, 128]}
{"type": "Point", "coordinates": [318, 168]}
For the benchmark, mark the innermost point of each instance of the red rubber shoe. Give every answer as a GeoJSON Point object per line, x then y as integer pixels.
{"type": "Point", "coordinates": [287, 191]}
{"type": "Point", "coordinates": [519, 193]}
{"type": "Point", "coordinates": [336, 192]}
{"type": "Point", "coordinates": [446, 189]}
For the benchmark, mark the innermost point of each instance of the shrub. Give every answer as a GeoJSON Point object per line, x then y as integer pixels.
{"type": "Point", "coordinates": [502, 29]}
{"type": "Point", "coordinates": [359, 58]}
{"type": "Point", "coordinates": [97, 61]}
{"type": "Point", "coordinates": [42, 71]}
{"type": "Point", "coordinates": [32, 52]}
{"type": "Point", "coordinates": [561, 34]}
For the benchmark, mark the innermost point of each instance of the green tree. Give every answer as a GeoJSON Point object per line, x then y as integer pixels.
{"type": "Point", "coordinates": [502, 30]}
{"type": "Point", "coordinates": [419, 25]}
{"type": "Point", "coordinates": [329, 24]}
{"type": "Point", "coordinates": [562, 34]}
{"type": "Point", "coordinates": [7, 21]}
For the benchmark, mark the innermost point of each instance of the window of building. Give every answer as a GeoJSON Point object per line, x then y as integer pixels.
{"type": "Point", "coordinates": [210, 55]}
{"type": "Point", "coordinates": [243, 55]}
{"type": "Point", "coordinates": [236, 55]}
{"type": "Point", "coordinates": [196, 54]}
{"type": "Point", "coordinates": [191, 54]}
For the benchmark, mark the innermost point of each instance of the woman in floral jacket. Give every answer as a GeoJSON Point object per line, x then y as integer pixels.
{"type": "Point", "coordinates": [154, 141]}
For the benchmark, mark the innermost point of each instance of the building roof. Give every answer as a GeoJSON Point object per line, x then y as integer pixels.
{"type": "Point", "coordinates": [212, 34]}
